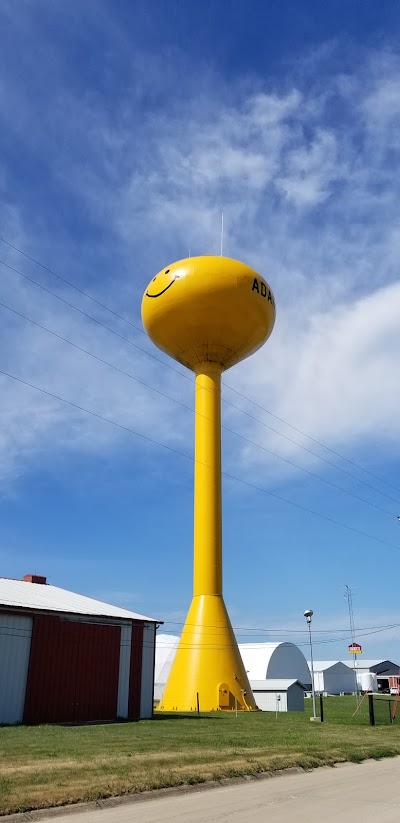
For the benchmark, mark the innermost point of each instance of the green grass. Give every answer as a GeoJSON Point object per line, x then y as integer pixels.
{"type": "Point", "coordinates": [43, 766]}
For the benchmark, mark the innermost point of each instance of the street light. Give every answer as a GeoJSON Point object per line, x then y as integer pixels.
{"type": "Point", "coordinates": [308, 615]}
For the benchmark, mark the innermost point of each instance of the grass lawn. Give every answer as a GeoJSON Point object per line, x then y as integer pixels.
{"type": "Point", "coordinates": [43, 766]}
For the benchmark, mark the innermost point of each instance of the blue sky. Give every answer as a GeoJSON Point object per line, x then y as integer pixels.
{"type": "Point", "coordinates": [125, 129]}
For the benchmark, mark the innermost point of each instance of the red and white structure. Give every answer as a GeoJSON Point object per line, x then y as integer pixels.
{"type": "Point", "coordinates": [66, 658]}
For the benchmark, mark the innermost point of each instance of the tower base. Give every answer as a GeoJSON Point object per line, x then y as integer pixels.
{"type": "Point", "coordinates": [207, 672]}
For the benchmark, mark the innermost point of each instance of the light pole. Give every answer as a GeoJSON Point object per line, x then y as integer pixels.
{"type": "Point", "coordinates": [308, 615]}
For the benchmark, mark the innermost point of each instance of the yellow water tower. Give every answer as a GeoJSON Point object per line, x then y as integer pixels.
{"type": "Point", "coordinates": [208, 313]}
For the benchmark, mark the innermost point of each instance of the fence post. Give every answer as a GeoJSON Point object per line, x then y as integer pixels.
{"type": "Point", "coordinates": [198, 704]}
{"type": "Point", "coordinates": [371, 709]}
{"type": "Point", "coordinates": [321, 707]}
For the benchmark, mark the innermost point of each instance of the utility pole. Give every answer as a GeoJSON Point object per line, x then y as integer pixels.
{"type": "Point", "coordinates": [349, 597]}
{"type": "Point", "coordinates": [308, 615]}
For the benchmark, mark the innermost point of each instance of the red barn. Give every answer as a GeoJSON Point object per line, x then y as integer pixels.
{"type": "Point", "coordinates": [66, 658]}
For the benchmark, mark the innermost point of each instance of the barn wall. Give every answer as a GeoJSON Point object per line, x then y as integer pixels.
{"type": "Point", "coordinates": [15, 643]}
{"type": "Point", "coordinates": [267, 701]}
{"type": "Point", "coordinates": [135, 672]}
{"type": "Point", "coordinates": [148, 657]}
{"type": "Point", "coordinates": [73, 671]}
{"type": "Point", "coordinates": [124, 671]}
{"type": "Point", "coordinates": [295, 698]}
{"type": "Point", "coordinates": [339, 679]}
{"type": "Point", "coordinates": [59, 669]}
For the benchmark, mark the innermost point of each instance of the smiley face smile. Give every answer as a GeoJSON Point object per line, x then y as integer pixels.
{"type": "Point", "coordinates": [163, 290]}
{"type": "Point", "coordinates": [168, 286]}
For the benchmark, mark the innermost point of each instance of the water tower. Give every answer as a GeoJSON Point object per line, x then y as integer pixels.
{"type": "Point", "coordinates": [208, 313]}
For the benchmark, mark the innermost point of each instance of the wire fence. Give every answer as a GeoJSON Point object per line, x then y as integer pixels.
{"type": "Point", "coordinates": [371, 709]}
{"type": "Point", "coordinates": [382, 710]}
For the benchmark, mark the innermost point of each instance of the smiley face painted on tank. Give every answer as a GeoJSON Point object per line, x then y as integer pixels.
{"type": "Point", "coordinates": [162, 282]}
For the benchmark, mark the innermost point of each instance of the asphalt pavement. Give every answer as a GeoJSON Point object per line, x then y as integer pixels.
{"type": "Point", "coordinates": [346, 793]}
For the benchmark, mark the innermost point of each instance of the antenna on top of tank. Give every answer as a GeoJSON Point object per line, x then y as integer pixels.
{"type": "Point", "coordinates": [222, 232]}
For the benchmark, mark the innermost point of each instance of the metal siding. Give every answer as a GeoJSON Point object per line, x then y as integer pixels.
{"type": "Point", "coordinates": [135, 672]}
{"type": "Point", "coordinates": [319, 681]}
{"type": "Point", "coordinates": [295, 698]}
{"type": "Point", "coordinates": [124, 668]}
{"type": "Point", "coordinates": [147, 690]}
{"type": "Point", "coordinates": [50, 694]}
{"type": "Point", "coordinates": [337, 679]}
{"type": "Point", "coordinates": [97, 672]}
{"type": "Point", "coordinates": [267, 702]}
{"type": "Point", "coordinates": [15, 643]}
{"type": "Point", "coordinates": [73, 671]}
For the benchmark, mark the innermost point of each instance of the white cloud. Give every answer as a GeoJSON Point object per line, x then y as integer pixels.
{"type": "Point", "coordinates": [311, 170]}
{"type": "Point", "coordinates": [310, 199]}
{"type": "Point", "coordinates": [334, 377]}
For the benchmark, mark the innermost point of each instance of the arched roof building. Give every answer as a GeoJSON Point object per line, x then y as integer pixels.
{"type": "Point", "coordinates": [275, 661]}
{"type": "Point", "coordinates": [262, 661]}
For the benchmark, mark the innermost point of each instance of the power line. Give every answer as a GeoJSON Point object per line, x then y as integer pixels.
{"type": "Point", "coordinates": [313, 474]}
{"type": "Point", "coordinates": [72, 285]}
{"type": "Point", "coordinates": [314, 454]}
{"type": "Point", "coordinates": [251, 630]}
{"type": "Point", "coordinates": [242, 411]}
{"type": "Point", "coordinates": [364, 632]}
{"type": "Point", "coordinates": [26, 635]}
{"type": "Point", "coordinates": [248, 399]}
{"type": "Point", "coordinates": [190, 457]}
{"type": "Point", "coordinates": [189, 408]}
{"type": "Point", "coordinates": [314, 440]}
{"type": "Point", "coordinates": [255, 645]}
{"type": "Point", "coordinates": [94, 320]}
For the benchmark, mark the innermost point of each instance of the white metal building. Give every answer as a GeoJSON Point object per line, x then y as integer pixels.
{"type": "Point", "coordinates": [65, 657]}
{"type": "Point", "coordinates": [333, 677]}
{"type": "Point", "coordinates": [374, 675]}
{"type": "Point", "coordinates": [278, 695]}
{"type": "Point", "coordinates": [166, 645]}
{"type": "Point", "coordinates": [275, 661]}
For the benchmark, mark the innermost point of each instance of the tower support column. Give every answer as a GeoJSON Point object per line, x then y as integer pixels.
{"type": "Point", "coordinates": [207, 572]}
{"type": "Point", "coordinates": [207, 665]}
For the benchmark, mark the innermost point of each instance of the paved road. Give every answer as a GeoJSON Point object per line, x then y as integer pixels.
{"type": "Point", "coordinates": [367, 792]}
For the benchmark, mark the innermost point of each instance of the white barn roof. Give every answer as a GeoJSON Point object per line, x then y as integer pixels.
{"type": "Point", "coordinates": [43, 597]}
{"type": "Point", "coordinates": [272, 685]}
{"type": "Point", "coordinates": [323, 665]}
{"type": "Point", "coordinates": [365, 664]}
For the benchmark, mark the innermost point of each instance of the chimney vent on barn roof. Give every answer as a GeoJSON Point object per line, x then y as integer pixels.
{"type": "Point", "coordinates": [34, 578]}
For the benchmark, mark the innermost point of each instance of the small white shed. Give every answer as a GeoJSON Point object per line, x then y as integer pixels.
{"type": "Point", "coordinates": [333, 677]}
{"type": "Point", "coordinates": [278, 695]}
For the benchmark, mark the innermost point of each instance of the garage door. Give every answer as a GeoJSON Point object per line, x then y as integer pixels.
{"type": "Point", "coordinates": [73, 672]}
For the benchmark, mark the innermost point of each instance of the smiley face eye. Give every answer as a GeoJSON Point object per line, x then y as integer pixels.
{"type": "Point", "coordinates": [167, 271]}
